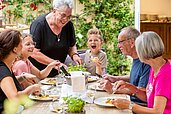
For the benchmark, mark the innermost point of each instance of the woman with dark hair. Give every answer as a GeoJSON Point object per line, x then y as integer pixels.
{"type": "Point", "coordinates": [10, 48]}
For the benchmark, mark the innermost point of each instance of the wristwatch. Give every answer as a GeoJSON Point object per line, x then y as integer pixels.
{"type": "Point", "coordinates": [131, 105]}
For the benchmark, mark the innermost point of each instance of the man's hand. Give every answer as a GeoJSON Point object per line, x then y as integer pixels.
{"type": "Point", "coordinates": [124, 87]}
{"type": "Point", "coordinates": [110, 78]}
{"type": "Point", "coordinates": [106, 85]}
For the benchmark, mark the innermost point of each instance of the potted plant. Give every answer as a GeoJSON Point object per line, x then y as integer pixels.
{"type": "Point", "coordinates": [75, 105]}
{"type": "Point", "coordinates": [76, 68]}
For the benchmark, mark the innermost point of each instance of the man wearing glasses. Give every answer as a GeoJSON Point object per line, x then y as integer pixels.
{"type": "Point", "coordinates": [54, 36]}
{"type": "Point", "coordinates": [139, 73]}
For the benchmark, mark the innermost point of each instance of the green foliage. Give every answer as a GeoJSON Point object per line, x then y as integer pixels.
{"type": "Point", "coordinates": [75, 104]}
{"type": "Point", "coordinates": [110, 16]}
{"type": "Point", "coordinates": [25, 10]}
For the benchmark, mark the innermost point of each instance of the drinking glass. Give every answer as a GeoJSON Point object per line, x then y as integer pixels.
{"type": "Point", "coordinates": [57, 107]}
{"type": "Point", "coordinates": [91, 94]}
{"type": "Point", "coordinates": [60, 79]}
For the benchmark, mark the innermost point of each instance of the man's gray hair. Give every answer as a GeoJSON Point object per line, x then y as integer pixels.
{"type": "Point", "coordinates": [131, 32]}
{"type": "Point", "coordinates": [59, 3]}
{"type": "Point", "coordinates": [149, 45]}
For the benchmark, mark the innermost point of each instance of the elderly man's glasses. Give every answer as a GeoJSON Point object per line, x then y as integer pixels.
{"type": "Point", "coordinates": [122, 41]}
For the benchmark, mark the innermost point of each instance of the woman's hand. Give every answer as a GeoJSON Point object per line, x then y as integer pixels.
{"type": "Point", "coordinates": [77, 59]}
{"type": "Point", "coordinates": [30, 78]}
{"type": "Point", "coordinates": [33, 89]}
{"type": "Point", "coordinates": [121, 103]}
{"type": "Point", "coordinates": [54, 64]}
{"type": "Point", "coordinates": [36, 89]}
{"type": "Point", "coordinates": [58, 64]}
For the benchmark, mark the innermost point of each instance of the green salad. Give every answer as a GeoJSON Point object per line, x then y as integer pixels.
{"type": "Point", "coordinates": [76, 68]}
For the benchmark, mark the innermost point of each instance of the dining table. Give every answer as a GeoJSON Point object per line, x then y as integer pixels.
{"type": "Point", "coordinates": [43, 107]}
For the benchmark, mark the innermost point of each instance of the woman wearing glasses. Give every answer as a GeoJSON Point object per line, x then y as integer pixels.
{"type": "Point", "coordinates": [54, 36]}
{"type": "Point", "coordinates": [23, 67]}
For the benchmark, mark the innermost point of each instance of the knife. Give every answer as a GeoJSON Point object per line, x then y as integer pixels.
{"type": "Point", "coordinates": [65, 71]}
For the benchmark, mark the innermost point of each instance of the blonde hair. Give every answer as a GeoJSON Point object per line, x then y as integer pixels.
{"type": "Point", "coordinates": [95, 31]}
{"type": "Point", "coordinates": [149, 45]}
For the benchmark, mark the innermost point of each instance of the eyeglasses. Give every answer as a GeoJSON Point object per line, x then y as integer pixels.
{"type": "Point", "coordinates": [30, 44]}
{"type": "Point", "coordinates": [64, 16]}
{"type": "Point", "coordinates": [122, 41]}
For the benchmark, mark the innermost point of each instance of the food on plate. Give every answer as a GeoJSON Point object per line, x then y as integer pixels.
{"type": "Point", "coordinates": [58, 109]}
{"type": "Point", "coordinates": [108, 101]}
{"type": "Point", "coordinates": [51, 81]}
{"type": "Point", "coordinates": [92, 78]}
{"type": "Point", "coordinates": [41, 96]}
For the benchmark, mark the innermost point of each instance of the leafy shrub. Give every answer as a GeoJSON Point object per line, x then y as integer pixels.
{"type": "Point", "coordinates": [110, 16]}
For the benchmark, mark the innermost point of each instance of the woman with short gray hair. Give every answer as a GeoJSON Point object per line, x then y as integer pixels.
{"type": "Point", "coordinates": [150, 45]}
{"type": "Point", "coordinates": [59, 3]}
{"type": "Point", "coordinates": [150, 48]}
{"type": "Point", "coordinates": [54, 36]}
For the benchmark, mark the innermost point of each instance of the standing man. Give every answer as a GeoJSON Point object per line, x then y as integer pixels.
{"type": "Point", "coordinates": [54, 36]}
{"type": "Point", "coordinates": [139, 73]}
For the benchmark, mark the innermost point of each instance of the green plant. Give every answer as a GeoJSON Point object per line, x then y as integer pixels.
{"type": "Point", "coordinates": [110, 16]}
{"type": "Point", "coordinates": [25, 10]}
{"type": "Point", "coordinates": [76, 68]}
{"type": "Point", "coordinates": [75, 104]}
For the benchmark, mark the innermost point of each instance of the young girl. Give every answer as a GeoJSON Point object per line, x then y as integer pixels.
{"type": "Point", "coordinates": [23, 65]}
{"type": "Point", "coordinates": [95, 59]}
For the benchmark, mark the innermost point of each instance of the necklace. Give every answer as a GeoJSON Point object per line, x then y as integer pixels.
{"type": "Point", "coordinates": [58, 37]}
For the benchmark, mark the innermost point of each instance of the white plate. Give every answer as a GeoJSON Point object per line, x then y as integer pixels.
{"type": "Point", "coordinates": [48, 81]}
{"type": "Point", "coordinates": [92, 78]}
{"type": "Point", "coordinates": [33, 97]}
{"type": "Point", "coordinates": [87, 73]}
{"type": "Point", "coordinates": [102, 101]}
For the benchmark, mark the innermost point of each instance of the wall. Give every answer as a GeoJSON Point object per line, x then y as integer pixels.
{"type": "Point", "coordinates": [160, 7]}
{"type": "Point", "coordinates": [78, 7]}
